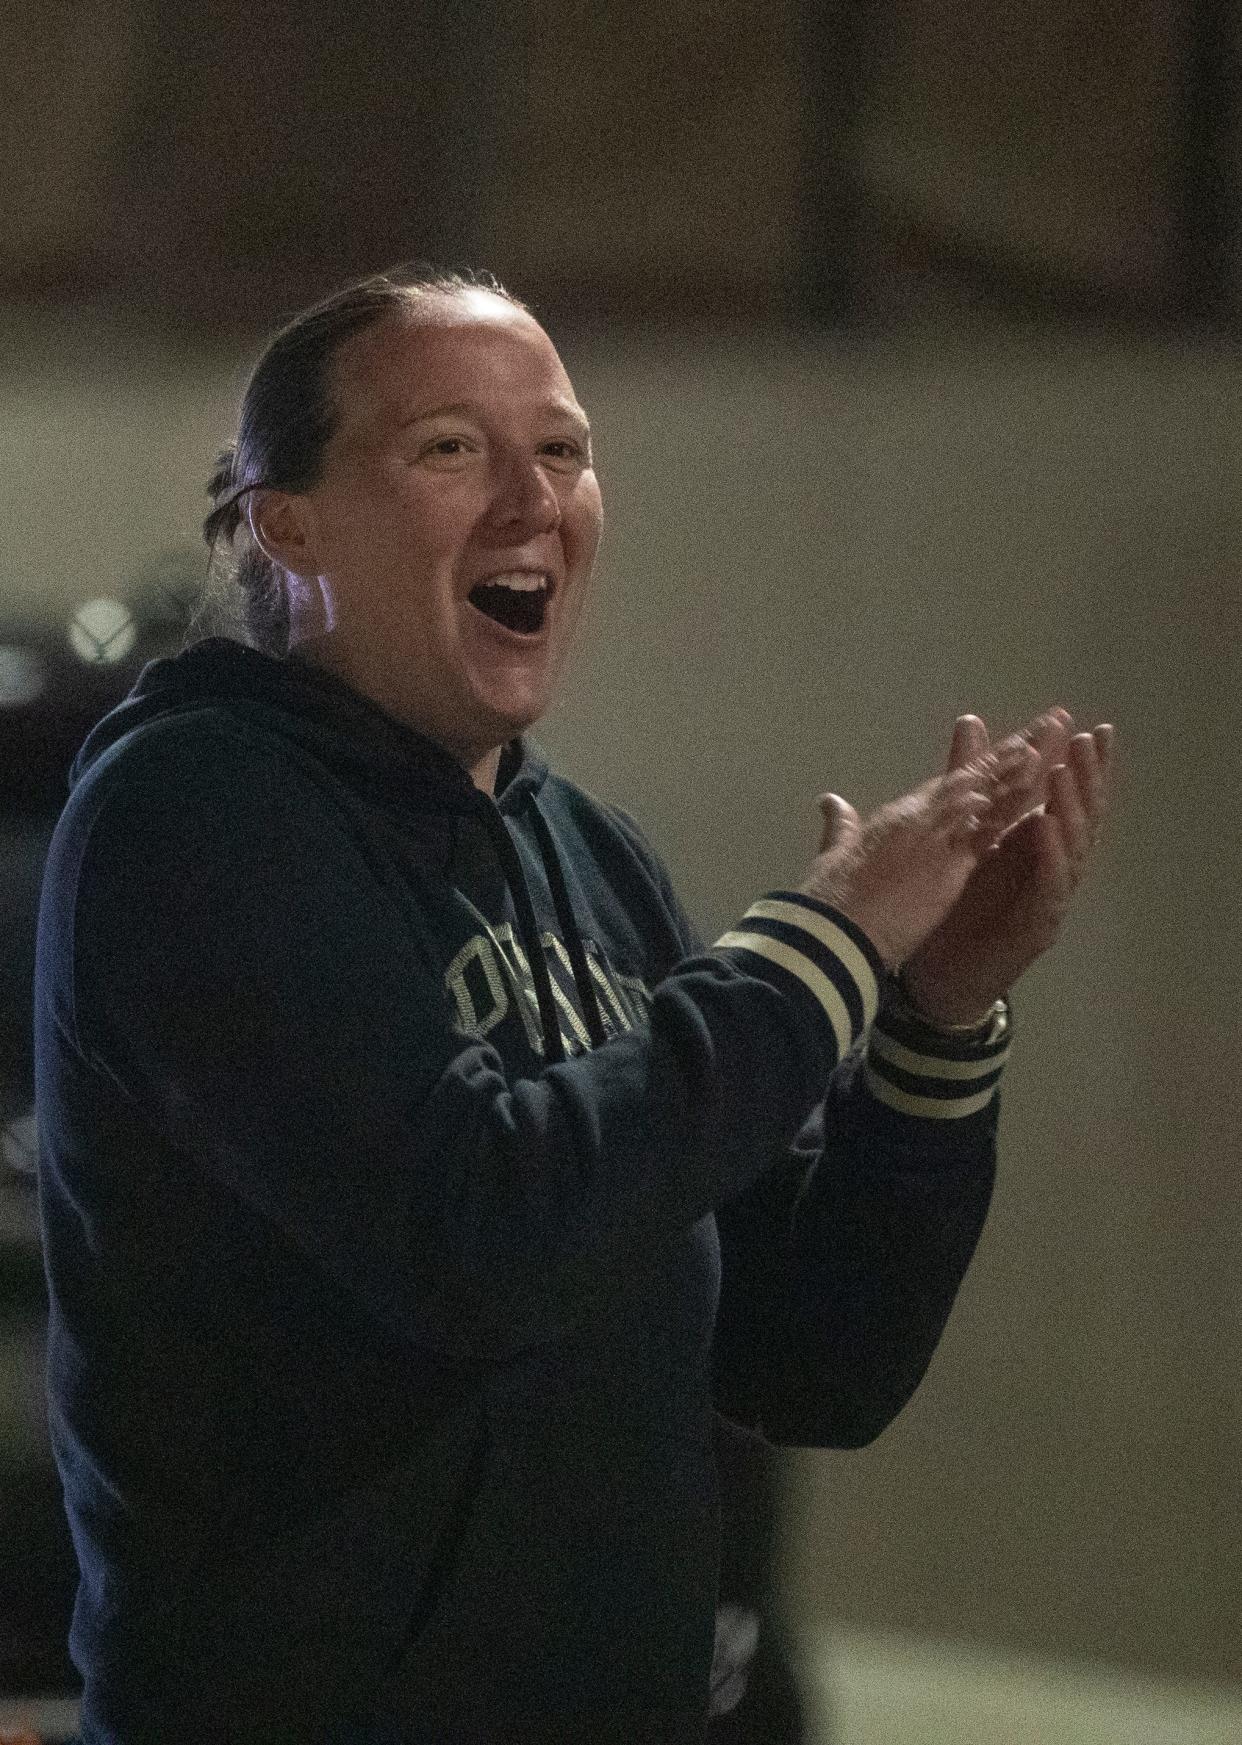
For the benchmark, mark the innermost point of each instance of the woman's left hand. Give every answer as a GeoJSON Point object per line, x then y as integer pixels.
{"type": "Point", "coordinates": [1016, 900]}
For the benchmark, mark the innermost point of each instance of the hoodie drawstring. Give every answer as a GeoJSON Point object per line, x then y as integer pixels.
{"type": "Point", "coordinates": [528, 927]}
{"type": "Point", "coordinates": [515, 878]}
{"type": "Point", "coordinates": [569, 927]}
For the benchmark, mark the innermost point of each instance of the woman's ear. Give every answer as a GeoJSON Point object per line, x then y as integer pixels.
{"type": "Point", "coordinates": [282, 526]}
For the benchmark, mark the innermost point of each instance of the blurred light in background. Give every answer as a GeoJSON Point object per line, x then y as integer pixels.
{"type": "Point", "coordinates": [23, 676]}
{"type": "Point", "coordinates": [103, 631]}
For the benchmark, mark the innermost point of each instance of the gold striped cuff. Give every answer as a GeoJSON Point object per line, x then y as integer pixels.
{"type": "Point", "coordinates": [933, 1087]}
{"type": "Point", "coordinates": [884, 1047]}
{"type": "Point", "coordinates": [929, 1108]}
{"type": "Point", "coordinates": [834, 938]}
{"type": "Point", "coordinates": [805, 936]}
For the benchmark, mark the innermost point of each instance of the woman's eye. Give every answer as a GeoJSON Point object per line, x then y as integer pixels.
{"type": "Point", "coordinates": [564, 450]}
{"type": "Point", "coordinates": [446, 453]}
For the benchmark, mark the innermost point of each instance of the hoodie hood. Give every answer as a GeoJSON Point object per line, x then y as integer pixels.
{"type": "Point", "coordinates": [379, 758]}
{"type": "Point", "coordinates": [373, 752]}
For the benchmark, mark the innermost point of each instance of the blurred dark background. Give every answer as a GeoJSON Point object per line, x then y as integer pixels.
{"type": "Point", "coordinates": [205, 168]}
{"type": "Point", "coordinates": [911, 334]}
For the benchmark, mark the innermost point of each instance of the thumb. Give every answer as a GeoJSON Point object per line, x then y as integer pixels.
{"type": "Point", "coordinates": [970, 740]}
{"type": "Point", "coordinates": [841, 822]}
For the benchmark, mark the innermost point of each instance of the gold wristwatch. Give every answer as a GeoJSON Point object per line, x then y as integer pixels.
{"type": "Point", "coordinates": [986, 1029]}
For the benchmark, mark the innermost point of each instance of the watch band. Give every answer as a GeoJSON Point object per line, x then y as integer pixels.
{"type": "Point", "coordinates": [900, 1002]}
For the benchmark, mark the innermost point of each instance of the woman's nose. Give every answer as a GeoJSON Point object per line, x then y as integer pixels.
{"type": "Point", "coordinates": [525, 498]}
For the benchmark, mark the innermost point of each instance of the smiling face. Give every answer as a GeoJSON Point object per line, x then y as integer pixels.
{"type": "Point", "coordinates": [452, 532]}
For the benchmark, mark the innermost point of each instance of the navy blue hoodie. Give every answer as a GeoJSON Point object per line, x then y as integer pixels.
{"type": "Point", "coordinates": [415, 1189]}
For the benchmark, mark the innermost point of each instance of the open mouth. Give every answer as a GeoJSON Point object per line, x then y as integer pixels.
{"type": "Point", "coordinates": [518, 601]}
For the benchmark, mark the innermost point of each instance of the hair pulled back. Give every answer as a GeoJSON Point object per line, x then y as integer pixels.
{"type": "Point", "coordinates": [287, 418]}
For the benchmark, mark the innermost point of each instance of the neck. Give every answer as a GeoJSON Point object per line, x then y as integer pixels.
{"type": "Point", "coordinates": [482, 766]}
{"type": "Point", "coordinates": [483, 773]}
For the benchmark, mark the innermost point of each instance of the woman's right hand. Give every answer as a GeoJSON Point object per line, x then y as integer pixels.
{"type": "Point", "coordinates": [897, 873]}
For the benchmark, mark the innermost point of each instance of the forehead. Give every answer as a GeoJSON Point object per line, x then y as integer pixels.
{"type": "Point", "coordinates": [473, 349]}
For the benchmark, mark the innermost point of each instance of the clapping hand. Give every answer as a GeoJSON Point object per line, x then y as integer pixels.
{"type": "Point", "coordinates": [899, 872]}
{"type": "Point", "coordinates": [1012, 906]}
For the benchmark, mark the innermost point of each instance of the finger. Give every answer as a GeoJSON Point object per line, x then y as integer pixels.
{"type": "Point", "coordinates": [1083, 759]}
{"type": "Point", "coordinates": [1018, 763]}
{"type": "Point", "coordinates": [1054, 868]}
{"type": "Point", "coordinates": [1105, 737]}
{"type": "Point", "coordinates": [841, 821]}
{"type": "Point", "coordinates": [970, 740]}
{"type": "Point", "coordinates": [1017, 783]}
{"type": "Point", "coordinates": [970, 829]}
{"type": "Point", "coordinates": [1064, 805]}
{"type": "Point", "coordinates": [962, 803]}
{"type": "Point", "coordinates": [1050, 733]}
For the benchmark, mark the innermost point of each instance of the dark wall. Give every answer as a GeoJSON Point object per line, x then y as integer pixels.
{"type": "Point", "coordinates": [685, 161]}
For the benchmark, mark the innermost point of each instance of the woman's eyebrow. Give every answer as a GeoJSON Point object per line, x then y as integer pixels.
{"type": "Point", "coordinates": [425, 412]}
{"type": "Point", "coordinates": [458, 408]}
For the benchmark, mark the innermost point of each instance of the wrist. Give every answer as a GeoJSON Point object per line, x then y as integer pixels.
{"type": "Point", "coordinates": [932, 1074]}
{"type": "Point", "coordinates": [822, 891]}
{"type": "Point", "coordinates": [926, 1007]}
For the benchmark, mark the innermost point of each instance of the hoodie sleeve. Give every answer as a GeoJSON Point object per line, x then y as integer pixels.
{"type": "Point", "coordinates": [219, 945]}
{"type": "Point", "coordinates": [840, 1265]}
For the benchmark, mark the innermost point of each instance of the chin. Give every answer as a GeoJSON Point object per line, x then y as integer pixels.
{"type": "Point", "coordinates": [514, 711]}
{"type": "Point", "coordinates": [519, 722]}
